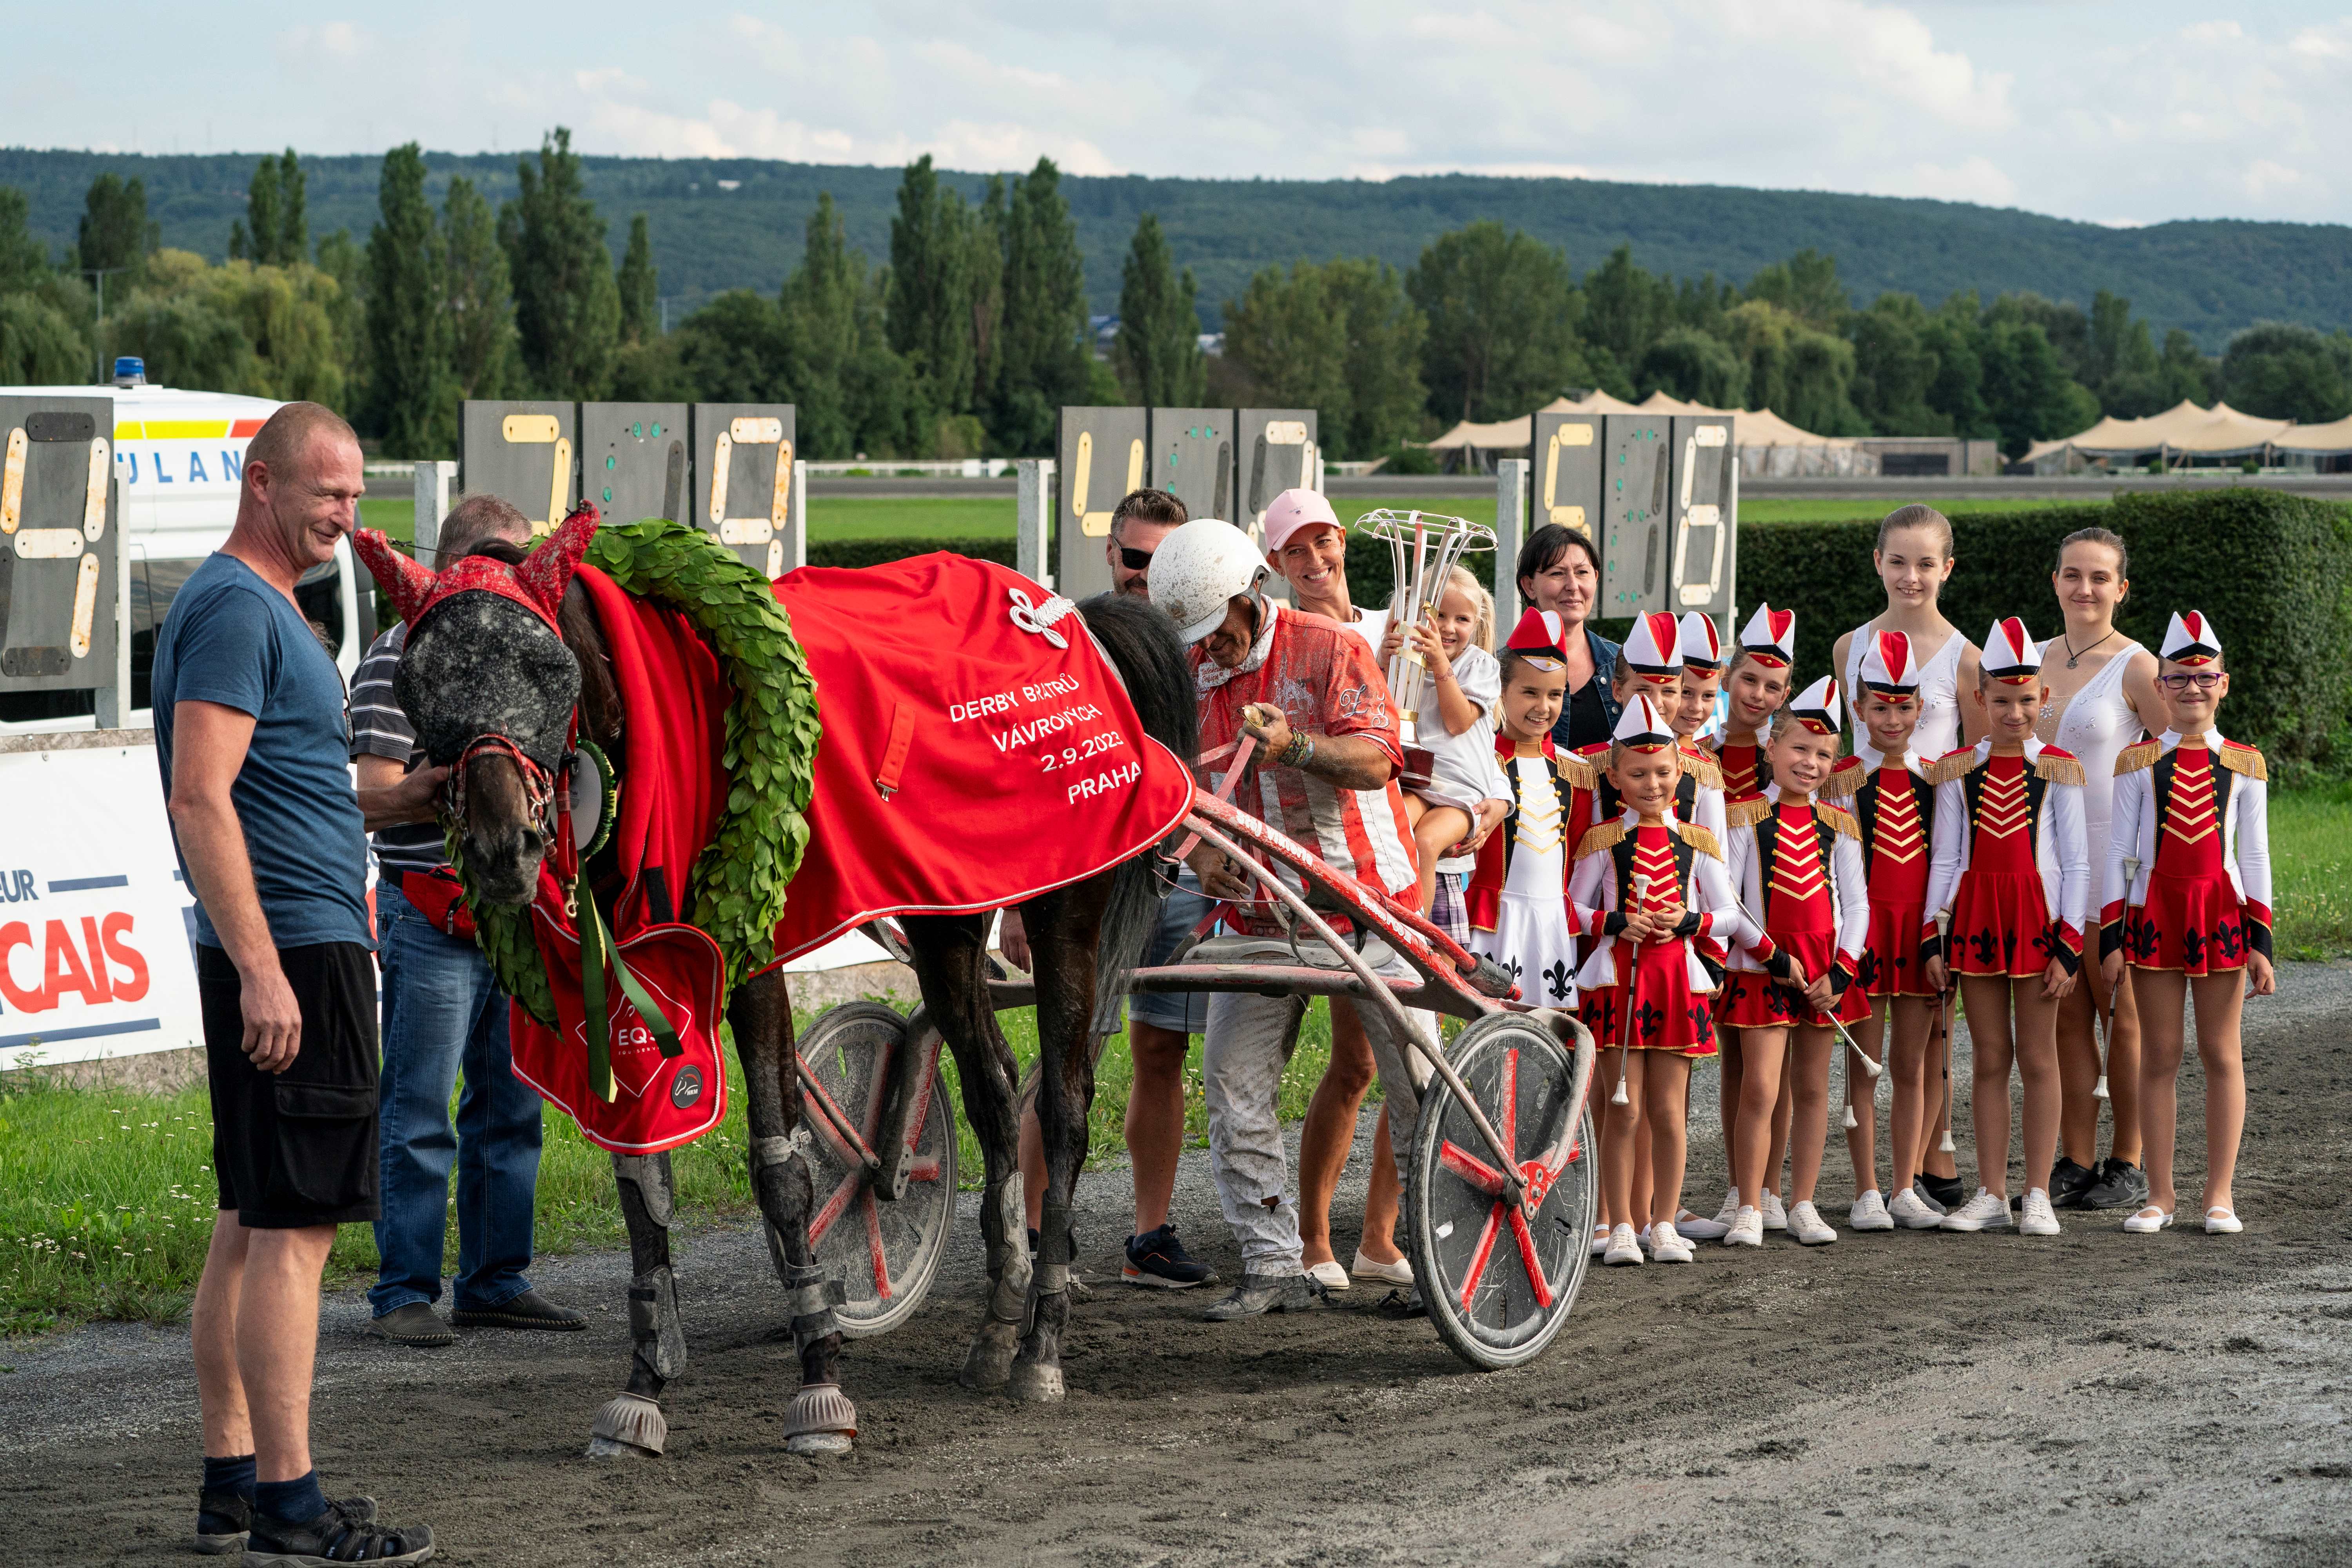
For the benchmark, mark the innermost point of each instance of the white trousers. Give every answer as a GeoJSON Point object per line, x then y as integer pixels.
{"type": "Point", "coordinates": [1242, 1063]}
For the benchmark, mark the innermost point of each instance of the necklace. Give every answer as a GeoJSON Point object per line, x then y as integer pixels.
{"type": "Point", "coordinates": [2073, 655]}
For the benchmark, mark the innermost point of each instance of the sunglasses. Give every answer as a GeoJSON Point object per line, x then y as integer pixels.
{"type": "Point", "coordinates": [2203, 680]}
{"type": "Point", "coordinates": [1134, 560]}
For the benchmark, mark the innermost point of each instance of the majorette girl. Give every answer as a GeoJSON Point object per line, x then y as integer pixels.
{"type": "Point", "coordinates": [1653, 896]}
{"type": "Point", "coordinates": [1519, 913]}
{"type": "Point", "coordinates": [1797, 866]}
{"type": "Point", "coordinates": [1654, 662]}
{"type": "Point", "coordinates": [2190, 863]}
{"type": "Point", "coordinates": [2010, 871]}
{"type": "Point", "coordinates": [1894, 806]}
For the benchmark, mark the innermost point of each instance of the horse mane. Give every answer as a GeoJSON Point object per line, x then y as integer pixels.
{"type": "Point", "coordinates": [576, 620]}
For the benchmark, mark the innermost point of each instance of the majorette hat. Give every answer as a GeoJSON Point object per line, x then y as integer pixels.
{"type": "Point", "coordinates": [1541, 636]}
{"type": "Point", "coordinates": [2010, 657]}
{"type": "Point", "coordinates": [1816, 707]}
{"type": "Point", "coordinates": [1641, 728]}
{"type": "Point", "coordinates": [1652, 648]}
{"type": "Point", "coordinates": [1770, 637]}
{"type": "Point", "coordinates": [1886, 668]}
{"type": "Point", "coordinates": [2191, 639]}
{"type": "Point", "coordinates": [1700, 645]}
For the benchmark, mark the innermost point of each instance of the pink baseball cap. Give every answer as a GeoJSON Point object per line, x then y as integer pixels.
{"type": "Point", "coordinates": [1295, 509]}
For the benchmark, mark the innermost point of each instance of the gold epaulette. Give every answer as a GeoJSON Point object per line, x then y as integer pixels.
{"type": "Point", "coordinates": [1843, 780]}
{"type": "Point", "coordinates": [1747, 813]}
{"type": "Point", "coordinates": [2054, 766]}
{"type": "Point", "coordinates": [1951, 765]}
{"type": "Point", "coordinates": [1605, 836]}
{"type": "Point", "coordinates": [1700, 766]}
{"type": "Point", "coordinates": [1838, 819]}
{"type": "Point", "coordinates": [2240, 758]}
{"type": "Point", "coordinates": [2134, 758]}
{"type": "Point", "coordinates": [1576, 771]}
{"type": "Point", "coordinates": [1698, 839]}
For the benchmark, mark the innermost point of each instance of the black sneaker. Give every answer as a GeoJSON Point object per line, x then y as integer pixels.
{"type": "Point", "coordinates": [2121, 1184]}
{"type": "Point", "coordinates": [345, 1532]}
{"type": "Point", "coordinates": [224, 1519]}
{"type": "Point", "coordinates": [529, 1310]}
{"type": "Point", "coordinates": [1158, 1259]}
{"type": "Point", "coordinates": [1946, 1190]}
{"type": "Point", "coordinates": [1260, 1293]}
{"type": "Point", "coordinates": [414, 1324]}
{"type": "Point", "coordinates": [2069, 1182]}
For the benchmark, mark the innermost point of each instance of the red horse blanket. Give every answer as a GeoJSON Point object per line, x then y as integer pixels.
{"type": "Point", "coordinates": [979, 749]}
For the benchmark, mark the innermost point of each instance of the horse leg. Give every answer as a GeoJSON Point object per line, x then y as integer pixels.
{"type": "Point", "coordinates": [821, 1419]}
{"type": "Point", "coordinates": [631, 1426]}
{"type": "Point", "coordinates": [1063, 928]}
{"type": "Point", "coordinates": [951, 966]}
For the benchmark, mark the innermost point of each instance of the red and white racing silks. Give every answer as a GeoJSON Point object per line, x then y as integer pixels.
{"type": "Point", "coordinates": [1323, 678]}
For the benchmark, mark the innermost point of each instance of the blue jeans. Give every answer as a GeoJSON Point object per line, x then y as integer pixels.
{"type": "Point", "coordinates": [442, 1010]}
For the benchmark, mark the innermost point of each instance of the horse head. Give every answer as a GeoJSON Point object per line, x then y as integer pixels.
{"type": "Point", "coordinates": [491, 685]}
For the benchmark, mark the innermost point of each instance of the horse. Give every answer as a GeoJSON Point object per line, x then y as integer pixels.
{"type": "Point", "coordinates": [493, 685]}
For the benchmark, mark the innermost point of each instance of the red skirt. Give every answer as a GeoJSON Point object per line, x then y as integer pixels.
{"type": "Point", "coordinates": [1752, 1000]}
{"type": "Point", "coordinates": [2193, 924]}
{"type": "Point", "coordinates": [2000, 926]}
{"type": "Point", "coordinates": [1666, 1016]}
{"type": "Point", "coordinates": [1891, 964]}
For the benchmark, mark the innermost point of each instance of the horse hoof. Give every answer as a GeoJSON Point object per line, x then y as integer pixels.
{"type": "Point", "coordinates": [989, 1364]}
{"type": "Point", "coordinates": [629, 1427]}
{"type": "Point", "coordinates": [822, 1421]}
{"type": "Point", "coordinates": [1035, 1382]}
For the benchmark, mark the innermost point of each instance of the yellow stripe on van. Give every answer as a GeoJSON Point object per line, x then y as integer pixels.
{"type": "Point", "coordinates": [126, 431]}
{"type": "Point", "coordinates": [186, 429]}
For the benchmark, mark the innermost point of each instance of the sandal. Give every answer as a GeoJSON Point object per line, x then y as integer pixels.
{"type": "Point", "coordinates": [2148, 1220]}
{"type": "Point", "coordinates": [2219, 1220]}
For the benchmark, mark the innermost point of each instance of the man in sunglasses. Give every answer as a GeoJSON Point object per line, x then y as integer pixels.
{"type": "Point", "coordinates": [1141, 521]}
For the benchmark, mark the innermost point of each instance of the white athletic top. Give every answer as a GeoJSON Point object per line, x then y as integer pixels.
{"type": "Point", "coordinates": [1940, 699]}
{"type": "Point", "coordinates": [1463, 770]}
{"type": "Point", "coordinates": [2095, 724]}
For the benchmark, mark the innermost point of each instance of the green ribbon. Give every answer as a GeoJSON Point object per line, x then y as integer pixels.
{"type": "Point", "coordinates": [596, 950]}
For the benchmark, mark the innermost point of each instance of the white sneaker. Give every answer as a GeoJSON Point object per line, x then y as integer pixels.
{"type": "Point", "coordinates": [2222, 1222]}
{"type": "Point", "coordinates": [1623, 1248]}
{"type": "Point", "coordinates": [1983, 1212]}
{"type": "Point", "coordinates": [1747, 1229]}
{"type": "Point", "coordinates": [2036, 1218]}
{"type": "Point", "coordinates": [1807, 1225]}
{"type": "Point", "coordinates": [1331, 1276]}
{"type": "Point", "coordinates": [1642, 1240]}
{"type": "Point", "coordinates": [2148, 1221]}
{"type": "Point", "coordinates": [1775, 1217]}
{"type": "Point", "coordinates": [1928, 1200]}
{"type": "Point", "coordinates": [1600, 1240]}
{"type": "Point", "coordinates": [1690, 1227]}
{"type": "Point", "coordinates": [1667, 1246]}
{"type": "Point", "coordinates": [1397, 1273]}
{"type": "Point", "coordinates": [1909, 1211]}
{"type": "Point", "coordinates": [1869, 1213]}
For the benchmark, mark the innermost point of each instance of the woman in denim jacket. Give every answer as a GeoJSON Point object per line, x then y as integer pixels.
{"type": "Point", "coordinates": [1560, 570]}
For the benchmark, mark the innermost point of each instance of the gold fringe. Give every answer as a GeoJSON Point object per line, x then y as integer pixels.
{"type": "Point", "coordinates": [1699, 839]}
{"type": "Point", "coordinates": [2240, 758]}
{"type": "Point", "coordinates": [1747, 813]}
{"type": "Point", "coordinates": [1843, 780]}
{"type": "Point", "coordinates": [1951, 765]}
{"type": "Point", "coordinates": [1843, 821]}
{"type": "Point", "coordinates": [1700, 766]}
{"type": "Point", "coordinates": [1576, 772]}
{"type": "Point", "coordinates": [2057, 769]}
{"type": "Point", "coordinates": [1605, 836]}
{"type": "Point", "coordinates": [2132, 759]}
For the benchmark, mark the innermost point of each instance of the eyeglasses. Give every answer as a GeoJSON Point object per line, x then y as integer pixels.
{"type": "Point", "coordinates": [2203, 680]}
{"type": "Point", "coordinates": [1134, 560]}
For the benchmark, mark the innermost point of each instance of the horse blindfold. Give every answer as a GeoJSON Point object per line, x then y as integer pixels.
{"type": "Point", "coordinates": [537, 584]}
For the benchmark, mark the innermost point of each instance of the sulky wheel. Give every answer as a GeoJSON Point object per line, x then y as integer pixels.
{"type": "Point", "coordinates": [1497, 1282]}
{"type": "Point", "coordinates": [885, 1252]}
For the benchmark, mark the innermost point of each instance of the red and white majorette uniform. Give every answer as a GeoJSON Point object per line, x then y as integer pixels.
{"type": "Point", "coordinates": [1657, 649]}
{"type": "Point", "coordinates": [1651, 995]}
{"type": "Point", "coordinates": [2194, 812]}
{"type": "Point", "coordinates": [2009, 864]}
{"type": "Point", "coordinates": [1517, 900]}
{"type": "Point", "coordinates": [1894, 806]}
{"type": "Point", "coordinates": [1797, 867]}
{"type": "Point", "coordinates": [1769, 639]}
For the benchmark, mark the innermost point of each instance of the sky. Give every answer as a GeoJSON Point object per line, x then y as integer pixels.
{"type": "Point", "coordinates": [2113, 113]}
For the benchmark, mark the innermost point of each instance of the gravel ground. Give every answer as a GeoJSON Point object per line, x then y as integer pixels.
{"type": "Point", "coordinates": [2098, 1398]}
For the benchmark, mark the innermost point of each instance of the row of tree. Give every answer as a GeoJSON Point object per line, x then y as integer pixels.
{"type": "Point", "coordinates": [975, 330]}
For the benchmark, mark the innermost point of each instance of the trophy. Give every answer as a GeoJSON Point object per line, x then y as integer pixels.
{"type": "Point", "coordinates": [1424, 549]}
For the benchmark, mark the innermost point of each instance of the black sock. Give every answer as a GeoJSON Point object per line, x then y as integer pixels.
{"type": "Point", "coordinates": [233, 1475]}
{"type": "Point", "coordinates": [297, 1502]}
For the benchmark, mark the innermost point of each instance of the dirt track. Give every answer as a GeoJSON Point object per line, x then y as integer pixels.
{"type": "Point", "coordinates": [2099, 1398]}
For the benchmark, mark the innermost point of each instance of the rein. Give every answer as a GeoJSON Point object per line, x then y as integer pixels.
{"type": "Point", "coordinates": [538, 782]}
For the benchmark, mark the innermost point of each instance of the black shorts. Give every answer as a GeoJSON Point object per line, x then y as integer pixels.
{"type": "Point", "coordinates": [296, 1148]}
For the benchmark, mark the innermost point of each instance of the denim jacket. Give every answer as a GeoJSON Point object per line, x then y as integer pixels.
{"type": "Point", "coordinates": [1604, 676]}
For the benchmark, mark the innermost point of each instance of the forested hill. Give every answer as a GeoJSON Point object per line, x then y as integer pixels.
{"type": "Point", "coordinates": [720, 224]}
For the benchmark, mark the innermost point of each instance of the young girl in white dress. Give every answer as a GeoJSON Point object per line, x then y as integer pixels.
{"type": "Point", "coordinates": [2103, 696]}
{"type": "Point", "coordinates": [1464, 792]}
{"type": "Point", "coordinates": [1518, 905]}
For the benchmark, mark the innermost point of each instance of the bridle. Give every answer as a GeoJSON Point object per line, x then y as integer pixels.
{"type": "Point", "coordinates": [538, 782]}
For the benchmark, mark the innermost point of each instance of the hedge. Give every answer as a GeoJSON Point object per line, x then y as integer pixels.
{"type": "Point", "coordinates": [875, 551]}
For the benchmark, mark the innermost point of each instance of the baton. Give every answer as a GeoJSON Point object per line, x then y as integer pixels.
{"type": "Point", "coordinates": [1944, 932]}
{"type": "Point", "coordinates": [1624, 1041]}
{"type": "Point", "coordinates": [2107, 1047]}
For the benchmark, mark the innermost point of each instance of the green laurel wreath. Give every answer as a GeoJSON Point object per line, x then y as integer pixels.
{"type": "Point", "coordinates": [736, 893]}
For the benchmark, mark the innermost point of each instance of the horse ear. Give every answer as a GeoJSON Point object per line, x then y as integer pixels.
{"type": "Point", "coordinates": [549, 570]}
{"type": "Point", "coordinates": [409, 584]}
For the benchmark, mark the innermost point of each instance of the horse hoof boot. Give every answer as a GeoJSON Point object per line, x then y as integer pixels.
{"type": "Point", "coordinates": [822, 1421]}
{"type": "Point", "coordinates": [630, 1428]}
{"type": "Point", "coordinates": [1035, 1382]}
{"type": "Point", "coordinates": [989, 1362]}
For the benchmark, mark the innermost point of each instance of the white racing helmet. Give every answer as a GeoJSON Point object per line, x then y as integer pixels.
{"type": "Point", "coordinates": [1199, 569]}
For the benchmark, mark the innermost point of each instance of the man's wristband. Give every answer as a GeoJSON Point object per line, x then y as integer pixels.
{"type": "Point", "coordinates": [1299, 754]}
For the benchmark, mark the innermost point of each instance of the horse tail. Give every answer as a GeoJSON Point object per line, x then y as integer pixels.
{"type": "Point", "coordinates": [1141, 644]}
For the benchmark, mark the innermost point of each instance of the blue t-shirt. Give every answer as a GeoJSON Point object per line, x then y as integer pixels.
{"type": "Point", "coordinates": [233, 640]}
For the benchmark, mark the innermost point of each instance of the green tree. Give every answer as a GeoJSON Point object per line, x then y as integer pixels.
{"type": "Point", "coordinates": [342, 258]}
{"type": "Point", "coordinates": [407, 322]}
{"type": "Point", "coordinates": [2064, 324]}
{"type": "Point", "coordinates": [2027, 392]}
{"type": "Point", "coordinates": [2187, 371]}
{"type": "Point", "coordinates": [1626, 309]}
{"type": "Point", "coordinates": [1955, 335]}
{"type": "Point", "coordinates": [855, 392]}
{"type": "Point", "coordinates": [984, 267]}
{"type": "Point", "coordinates": [115, 234]}
{"type": "Point", "coordinates": [24, 260]}
{"type": "Point", "coordinates": [931, 288]}
{"type": "Point", "coordinates": [484, 357]}
{"type": "Point", "coordinates": [2122, 366]}
{"type": "Point", "coordinates": [1693, 365]}
{"type": "Point", "coordinates": [567, 307]}
{"type": "Point", "coordinates": [1387, 401]}
{"type": "Point", "coordinates": [1800, 373]}
{"type": "Point", "coordinates": [265, 331]}
{"type": "Point", "coordinates": [1807, 286]}
{"type": "Point", "coordinates": [1043, 360]}
{"type": "Point", "coordinates": [2279, 370]}
{"type": "Point", "coordinates": [640, 287]}
{"type": "Point", "coordinates": [39, 345]}
{"type": "Point", "coordinates": [1502, 316]}
{"type": "Point", "coordinates": [254, 237]}
{"type": "Point", "coordinates": [1893, 367]}
{"type": "Point", "coordinates": [1289, 338]}
{"type": "Point", "coordinates": [1158, 345]}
